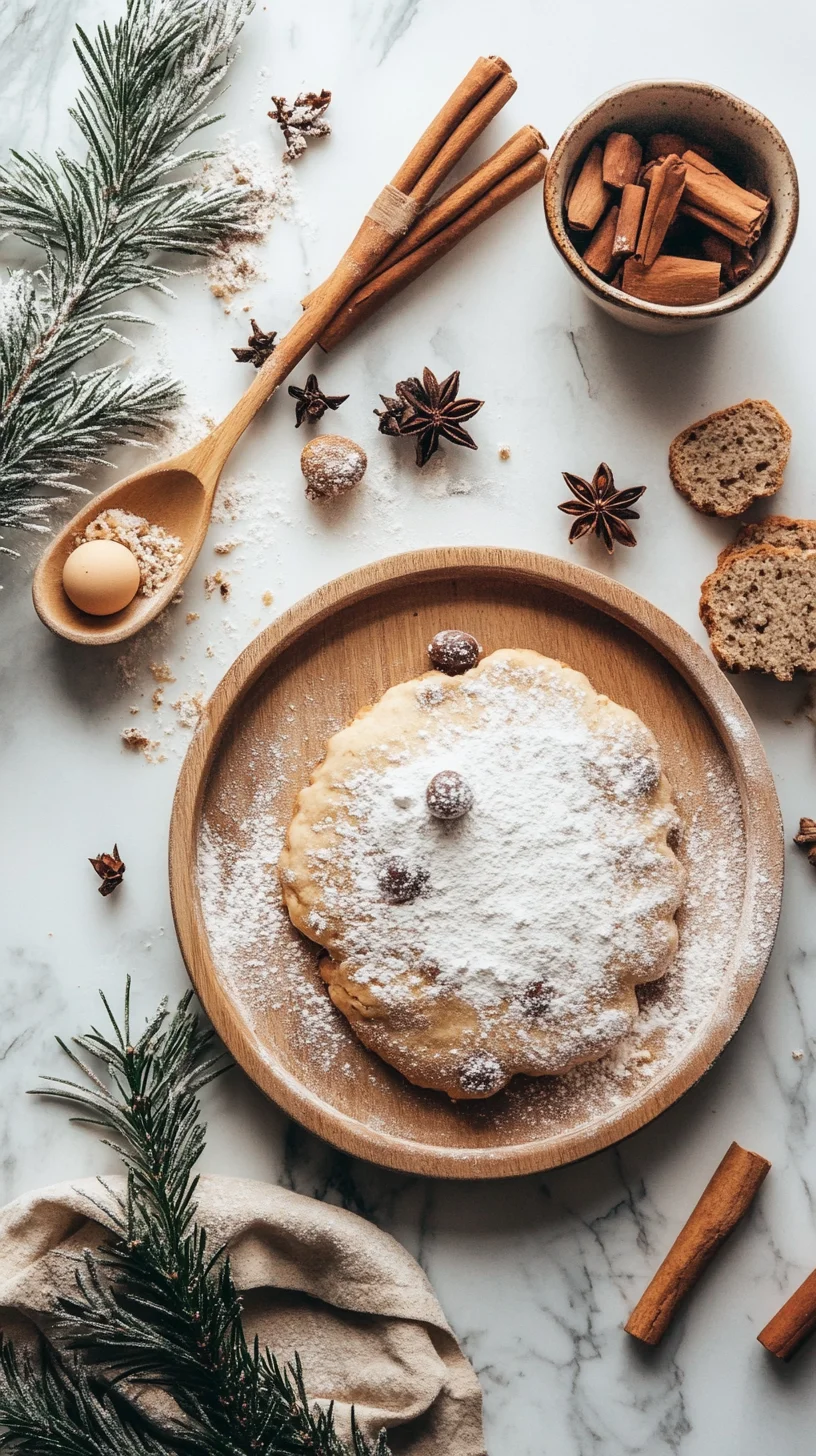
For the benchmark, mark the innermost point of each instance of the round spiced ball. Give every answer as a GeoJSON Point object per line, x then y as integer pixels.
{"type": "Point", "coordinates": [454, 652]}
{"type": "Point", "coordinates": [401, 882]}
{"type": "Point", "coordinates": [332, 465]}
{"type": "Point", "coordinates": [448, 796]}
{"type": "Point", "coordinates": [481, 1075]}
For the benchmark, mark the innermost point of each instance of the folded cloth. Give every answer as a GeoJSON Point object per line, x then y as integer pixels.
{"type": "Point", "coordinates": [314, 1279]}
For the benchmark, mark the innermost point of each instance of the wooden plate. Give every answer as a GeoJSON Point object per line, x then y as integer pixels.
{"type": "Point", "coordinates": [266, 726]}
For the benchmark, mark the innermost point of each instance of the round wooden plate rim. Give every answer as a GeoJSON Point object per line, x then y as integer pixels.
{"type": "Point", "coordinates": [760, 812]}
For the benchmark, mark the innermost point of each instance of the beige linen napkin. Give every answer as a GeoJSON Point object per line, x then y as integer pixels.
{"type": "Point", "coordinates": [316, 1279]}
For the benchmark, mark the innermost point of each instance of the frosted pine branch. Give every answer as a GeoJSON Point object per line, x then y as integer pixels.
{"type": "Point", "coordinates": [103, 225]}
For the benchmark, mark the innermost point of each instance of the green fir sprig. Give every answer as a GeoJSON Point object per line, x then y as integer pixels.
{"type": "Point", "coordinates": [103, 224]}
{"type": "Point", "coordinates": [156, 1305]}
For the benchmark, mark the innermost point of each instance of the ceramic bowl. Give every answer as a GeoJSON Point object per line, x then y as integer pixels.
{"type": "Point", "coordinates": [735, 130]}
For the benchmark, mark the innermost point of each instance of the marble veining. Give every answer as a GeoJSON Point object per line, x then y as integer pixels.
{"type": "Point", "coordinates": [536, 1275]}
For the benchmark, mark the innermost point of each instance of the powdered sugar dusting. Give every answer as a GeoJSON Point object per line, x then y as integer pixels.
{"type": "Point", "coordinates": [267, 965]}
{"type": "Point", "coordinates": [270, 968]}
{"type": "Point", "coordinates": [548, 870]}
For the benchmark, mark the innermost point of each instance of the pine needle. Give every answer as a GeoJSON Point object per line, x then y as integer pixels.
{"type": "Point", "coordinates": [156, 1305]}
{"type": "Point", "coordinates": [102, 225]}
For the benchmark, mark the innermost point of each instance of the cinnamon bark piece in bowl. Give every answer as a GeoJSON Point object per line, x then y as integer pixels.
{"type": "Point", "coordinates": [743, 143]}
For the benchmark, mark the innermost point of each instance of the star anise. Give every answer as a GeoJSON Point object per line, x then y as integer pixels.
{"type": "Point", "coordinates": [110, 869]}
{"type": "Point", "coordinates": [312, 403]}
{"type": "Point", "coordinates": [391, 416]}
{"type": "Point", "coordinates": [260, 346]}
{"type": "Point", "coordinates": [430, 410]}
{"type": "Point", "coordinates": [806, 838]}
{"type": "Point", "coordinates": [599, 507]}
{"type": "Point", "coordinates": [300, 119]}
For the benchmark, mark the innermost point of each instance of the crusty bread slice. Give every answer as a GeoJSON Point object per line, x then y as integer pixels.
{"type": "Point", "coordinates": [759, 609]}
{"type": "Point", "coordinates": [796, 535]}
{"type": "Point", "coordinates": [738, 455]}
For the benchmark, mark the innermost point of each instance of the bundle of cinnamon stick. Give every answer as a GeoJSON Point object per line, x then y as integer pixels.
{"type": "Point", "coordinates": [661, 221]}
{"type": "Point", "coordinates": [434, 228]}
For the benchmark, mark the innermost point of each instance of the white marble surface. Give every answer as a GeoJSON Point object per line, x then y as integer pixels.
{"type": "Point", "coordinates": [536, 1275]}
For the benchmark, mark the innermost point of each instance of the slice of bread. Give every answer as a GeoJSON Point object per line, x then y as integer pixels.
{"type": "Point", "coordinates": [796, 535]}
{"type": "Point", "coordinates": [738, 455]}
{"type": "Point", "coordinates": [759, 609]}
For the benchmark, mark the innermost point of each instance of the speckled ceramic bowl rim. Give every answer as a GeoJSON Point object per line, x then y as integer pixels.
{"type": "Point", "coordinates": [728, 302]}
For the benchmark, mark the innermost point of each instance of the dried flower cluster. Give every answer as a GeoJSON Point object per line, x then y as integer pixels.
{"type": "Point", "coordinates": [301, 119]}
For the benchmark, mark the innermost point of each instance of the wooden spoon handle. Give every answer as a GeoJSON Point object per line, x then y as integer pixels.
{"type": "Point", "coordinates": [370, 244]}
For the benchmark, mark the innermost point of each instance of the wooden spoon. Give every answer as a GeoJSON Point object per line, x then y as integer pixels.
{"type": "Point", "coordinates": [177, 495]}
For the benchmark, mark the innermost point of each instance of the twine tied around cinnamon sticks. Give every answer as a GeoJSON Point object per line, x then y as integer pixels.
{"type": "Point", "coordinates": [418, 232]}
{"type": "Point", "coordinates": [403, 232]}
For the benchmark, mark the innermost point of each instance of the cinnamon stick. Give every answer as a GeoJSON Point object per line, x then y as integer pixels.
{"type": "Point", "coordinates": [380, 288]}
{"type": "Point", "coordinates": [523, 145]}
{"type": "Point", "coordinates": [717, 249]}
{"type": "Point", "coordinates": [589, 195]}
{"type": "Point", "coordinates": [475, 101]}
{"type": "Point", "coordinates": [724, 206]}
{"type": "Point", "coordinates": [629, 214]}
{"type": "Point", "coordinates": [665, 191]}
{"type": "Point", "coordinates": [742, 262]}
{"type": "Point", "coordinates": [390, 216]}
{"type": "Point", "coordinates": [724, 1201]}
{"type": "Point", "coordinates": [599, 252]}
{"type": "Point", "coordinates": [663, 144]}
{"type": "Point", "coordinates": [479, 79]}
{"type": "Point", "coordinates": [621, 159]}
{"type": "Point", "coordinates": [452, 151]}
{"type": "Point", "coordinates": [678, 282]}
{"type": "Point", "coordinates": [793, 1323]}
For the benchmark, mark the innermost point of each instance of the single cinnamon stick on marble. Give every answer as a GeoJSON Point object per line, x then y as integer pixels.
{"type": "Point", "coordinates": [724, 206]}
{"type": "Point", "coordinates": [725, 1200]}
{"type": "Point", "coordinates": [599, 252]}
{"type": "Point", "coordinates": [590, 196]}
{"type": "Point", "coordinates": [367, 299]}
{"type": "Point", "coordinates": [678, 282]}
{"type": "Point", "coordinates": [621, 159]}
{"type": "Point", "coordinates": [794, 1322]}
{"type": "Point", "coordinates": [629, 214]}
{"type": "Point", "coordinates": [665, 191]}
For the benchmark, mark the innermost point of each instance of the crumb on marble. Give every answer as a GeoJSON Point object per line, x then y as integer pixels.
{"type": "Point", "coordinates": [217, 579]}
{"type": "Point", "coordinates": [162, 672]}
{"type": "Point", "coordinates": [191, 617]}
{"type": "Point", "coordinates": [267, 599]}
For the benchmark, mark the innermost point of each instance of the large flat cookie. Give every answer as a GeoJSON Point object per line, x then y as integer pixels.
{"type": "Point", "coordinates": [510, 939]}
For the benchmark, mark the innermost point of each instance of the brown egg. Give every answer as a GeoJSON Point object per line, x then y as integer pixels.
{"type": "Point", "coordinates": [101, 577]}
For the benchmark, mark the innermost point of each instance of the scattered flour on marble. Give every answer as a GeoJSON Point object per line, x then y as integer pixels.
{"type": "Point", "coordinates": [271, 192]}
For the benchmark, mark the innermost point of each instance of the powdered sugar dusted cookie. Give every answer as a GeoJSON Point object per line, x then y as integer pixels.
{"type": "Point", "coordinates": [509, 938]}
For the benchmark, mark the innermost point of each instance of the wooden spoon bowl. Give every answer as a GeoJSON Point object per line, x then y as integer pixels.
{"type": "Point", "coordinates": [167, 495]}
